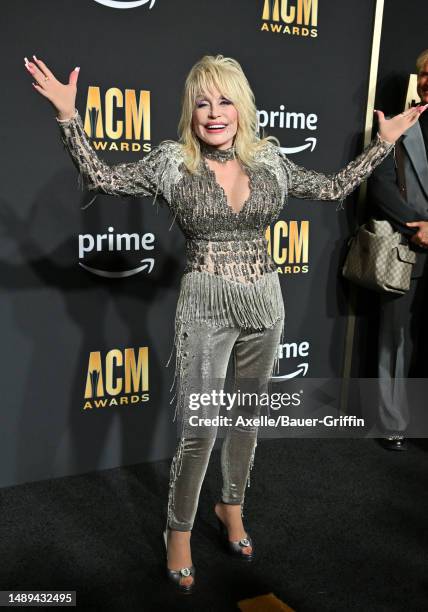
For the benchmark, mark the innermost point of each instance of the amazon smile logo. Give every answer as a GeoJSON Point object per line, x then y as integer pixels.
{"type": "Point", "coordinates": [125, 4]}
{"type": "Point", "coordinates": [290, 120]}
{"type": "Point", "coordinates": [297, 352]}
{"type": "Point", "coordinates": [117, 243]}
{"type": "Point", "coordinates": [310, 144]}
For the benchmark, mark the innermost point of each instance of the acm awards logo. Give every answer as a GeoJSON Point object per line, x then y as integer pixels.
{"type": "Point", "coordinates": [288, 246]}
{"type": "Point", "coordinates": [119, 378]}
{"type": "Point", "coordinates": [118, 130]}
{"type": "Point", "coordinates": [290, 17]}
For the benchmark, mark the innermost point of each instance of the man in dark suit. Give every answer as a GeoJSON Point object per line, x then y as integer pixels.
{"type": "Point", "coordinates": [398, 192]}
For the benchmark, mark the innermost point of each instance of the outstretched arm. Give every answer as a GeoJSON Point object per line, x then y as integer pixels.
{"type": "Point", "coordinates": [317, 186]}
{"type": "Point", "coordinates": [313, 185]}
{"type": "Point", "coordinates": [140, 178]}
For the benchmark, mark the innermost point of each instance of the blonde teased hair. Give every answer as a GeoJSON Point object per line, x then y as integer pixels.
{"type": "Point", "coordinates": [421, 60]}
{"type": "Point", "coordinates": [226, 75]}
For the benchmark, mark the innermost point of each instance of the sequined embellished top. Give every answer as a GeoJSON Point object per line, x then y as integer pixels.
{"type": "Point", "coordinates": [229, 278]}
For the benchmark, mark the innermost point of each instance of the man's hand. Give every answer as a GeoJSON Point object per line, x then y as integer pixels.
{"type": "Point", "coordinates": [421, 236]}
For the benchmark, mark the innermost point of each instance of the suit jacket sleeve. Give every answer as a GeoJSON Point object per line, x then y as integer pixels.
{"type": "Point", "coordinates": [387, 201]}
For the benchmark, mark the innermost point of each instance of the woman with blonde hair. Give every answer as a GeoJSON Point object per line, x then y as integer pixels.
{"type": "Point", "coordinates": [225, 185]}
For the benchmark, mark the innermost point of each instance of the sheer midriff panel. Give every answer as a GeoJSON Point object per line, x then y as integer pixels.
{"type": "Point", "coordinates": [243, 261]}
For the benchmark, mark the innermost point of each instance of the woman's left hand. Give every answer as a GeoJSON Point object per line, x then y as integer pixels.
{"type": "Point", "coordinates": [392, 129]}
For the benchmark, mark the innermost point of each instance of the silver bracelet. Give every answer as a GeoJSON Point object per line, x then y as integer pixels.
{"type": "Point", "coordinates": [71, 118]}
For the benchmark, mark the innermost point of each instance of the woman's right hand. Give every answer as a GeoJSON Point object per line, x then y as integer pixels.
{"type": "Point", "coordinates": [62, 97]}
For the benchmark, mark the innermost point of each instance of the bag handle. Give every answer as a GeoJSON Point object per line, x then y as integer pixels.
{"type": "Point", "coordinates": [399, 164]}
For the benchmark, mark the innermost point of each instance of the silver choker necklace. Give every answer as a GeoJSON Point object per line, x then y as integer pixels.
{"type": "Point", "coordinates": [220, 155]}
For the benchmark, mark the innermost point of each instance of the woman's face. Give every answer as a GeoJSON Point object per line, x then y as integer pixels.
{"type": "Point", "coordinates": [213, 109]}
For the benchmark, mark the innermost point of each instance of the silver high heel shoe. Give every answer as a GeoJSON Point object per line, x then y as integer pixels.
{"type": "Point", "coordinates": [176, 575]}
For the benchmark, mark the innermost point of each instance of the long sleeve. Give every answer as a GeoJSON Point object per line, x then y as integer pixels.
{"type": "Point", "coordinates": [385, 198]}
{"type": "Point", "coordinates": [137, 179]}
{"type": "Point", "coordinates": [313, 185]}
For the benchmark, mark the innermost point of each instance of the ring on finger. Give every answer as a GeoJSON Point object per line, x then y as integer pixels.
{"type": "Point", "coordinates": [46, 78]}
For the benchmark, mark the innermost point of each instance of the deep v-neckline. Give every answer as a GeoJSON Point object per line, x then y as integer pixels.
{"type": "Point", "coordinates": [223, 192]}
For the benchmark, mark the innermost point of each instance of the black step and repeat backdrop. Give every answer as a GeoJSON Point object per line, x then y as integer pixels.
{"type": "Point", "coordinates": [88, 294]}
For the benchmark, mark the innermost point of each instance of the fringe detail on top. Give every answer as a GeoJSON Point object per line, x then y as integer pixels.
{"type": "Point", "coordinates": [220, 302]}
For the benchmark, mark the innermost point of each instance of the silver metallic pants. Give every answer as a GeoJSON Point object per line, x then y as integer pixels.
{"type": "Point", "coordinates": [206, 351]}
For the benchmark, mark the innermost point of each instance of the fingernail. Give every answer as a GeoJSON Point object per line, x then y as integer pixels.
{"type": "Point", "coordinates": [26, 60]}
{"type": "Point", "coordinates": [77, 68]}
{"type": "Point", "coordinates": [35, 57]}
